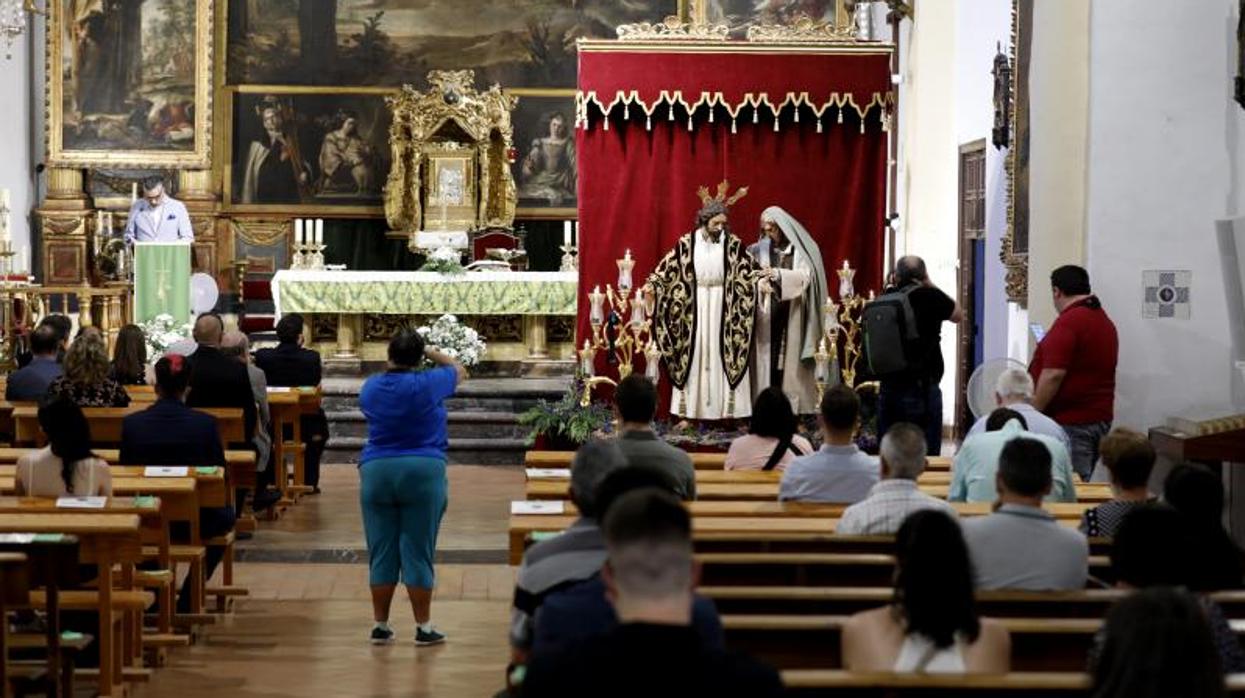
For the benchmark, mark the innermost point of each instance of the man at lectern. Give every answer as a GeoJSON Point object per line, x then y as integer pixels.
{"type": "Point", "coordinates": [157, 217]}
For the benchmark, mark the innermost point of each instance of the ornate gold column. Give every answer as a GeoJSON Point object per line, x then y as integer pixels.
{"type": "Point", "coordinates": [536, 336]}
{"type": "Point", "coordinates": [195, 190]}
{"type": "Point", "coordinates": [62, 222]}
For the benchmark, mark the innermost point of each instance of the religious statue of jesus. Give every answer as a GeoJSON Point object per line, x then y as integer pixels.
{"type": "Point", "coordinates": [706, 294]}
{"type": "Point", "coordinates": [789, 319]}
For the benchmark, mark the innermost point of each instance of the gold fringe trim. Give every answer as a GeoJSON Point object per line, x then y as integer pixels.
{"type": "Point", "coordinates": [711, 101]}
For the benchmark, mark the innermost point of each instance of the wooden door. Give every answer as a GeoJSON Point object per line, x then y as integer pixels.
{"type": "Point", "coordinates": [972, 232]}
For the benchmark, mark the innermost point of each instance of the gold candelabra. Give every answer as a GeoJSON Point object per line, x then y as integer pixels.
{"type": "Point", "coordinates": [841, 318]}
{"type": "Point", "coordinates": [630, 318]}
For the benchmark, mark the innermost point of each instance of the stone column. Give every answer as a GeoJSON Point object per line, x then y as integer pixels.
{"type": "Point", "coordinates": [346, 361]}
{"type": "Point", "coordinates": [535, 336]}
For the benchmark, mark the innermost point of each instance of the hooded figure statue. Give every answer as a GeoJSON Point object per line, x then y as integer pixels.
{"type": "Point", "coordinates": [789, 321]}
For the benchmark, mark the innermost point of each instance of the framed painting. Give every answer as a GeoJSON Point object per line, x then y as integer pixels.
{"type": "Point", "coordinates": [307, 150]}
{"type": "Point", "coordinates": [129, 83]}
{"type": "Point", "coordinates": [545, 168]}
{"type": "Point", "coordinates": [741, 14]}
{"type": "Point", "coordinates": [514, 43]}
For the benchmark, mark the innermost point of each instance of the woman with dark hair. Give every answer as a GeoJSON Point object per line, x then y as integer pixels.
{"type": "Point", "coordinates": [771, 442]}
{"type": "Point", "coordinates": [403, 487]}
{"type": "Point", "coordinates": [66, 466]}
{"type": "Point", "coordinates": [1157, 644]}
{"type": "Point", "coordinates": [86, 380]}
{"type": "Point", "coordinates": [931, 626]}
{"type": "Point", "coordinates": [129, 357]}
{"type": "Point", "coordinates": [1196, 492]}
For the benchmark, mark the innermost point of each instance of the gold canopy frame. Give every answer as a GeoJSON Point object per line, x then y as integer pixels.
{"type": "Point", "coordinates": [447, 120]}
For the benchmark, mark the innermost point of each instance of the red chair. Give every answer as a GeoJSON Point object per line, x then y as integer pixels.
{"type": "Point", "coordinates": [259, 314]}
{"type": "Point", "coordinates": [497, 238]}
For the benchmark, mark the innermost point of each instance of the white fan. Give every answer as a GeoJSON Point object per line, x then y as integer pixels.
{"type": "Point", "coordinates": [203, 293]}
{"type": "Point", "coordinates": [981, 384]}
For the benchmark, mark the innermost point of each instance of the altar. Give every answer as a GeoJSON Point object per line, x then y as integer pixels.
{"type": "Point", "coordinates": [351, 315]}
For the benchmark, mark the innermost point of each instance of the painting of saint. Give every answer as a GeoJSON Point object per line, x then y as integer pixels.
{"type": "Point", "coordinates": [514, 43]}
{"type": "Point", "coordinates": [546, 170]}
{"type": "Point", "coordinates": [319, 148]}
{"type": "Point", "coordinates": [131, 79]}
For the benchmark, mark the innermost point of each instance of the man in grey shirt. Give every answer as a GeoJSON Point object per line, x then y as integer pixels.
{"type": "Point", "coordinates": [839, 472]}
{"type": "Point", "coordinates": [1021, 546]}
{"type": "Point", "coordinates": [635, 403]}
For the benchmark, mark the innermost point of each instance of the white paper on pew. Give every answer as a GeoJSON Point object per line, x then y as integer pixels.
{"type": "Point", "coordinates": [81, 502]}
{"type": "Point", "coordinates": [17, 538]}
{"type": "Point", "coordinates": [550, 508]}
{"type": "Point", "coordinates": [166, 471]}
{"type": "Point", "coordinates": [548, 473]}
{"type": "Point", "coordinates": [279, 389]}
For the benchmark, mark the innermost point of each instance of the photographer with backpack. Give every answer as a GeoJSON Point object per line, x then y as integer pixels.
{"type": "Point", "coordinates": [903, 334]}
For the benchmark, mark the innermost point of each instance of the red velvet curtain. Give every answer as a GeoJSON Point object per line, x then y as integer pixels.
{"type": "Point", "coordinates": [637, 185]}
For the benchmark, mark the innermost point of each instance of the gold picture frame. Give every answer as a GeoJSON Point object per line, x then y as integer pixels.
{"type": "Point", "coordinates": [453, 169]}
{"type": "Point", "coordinates": [78, 136]}
{"type": "Point", "coordinates": [697, 11]}
{"type": "Point", "coordinates": [522, 140]}
{"type": "Point", "coordinates": [231, 177]}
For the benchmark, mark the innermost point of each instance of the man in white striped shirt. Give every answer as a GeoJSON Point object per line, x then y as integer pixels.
{"type": "Point", "coordinates": [897, 495]}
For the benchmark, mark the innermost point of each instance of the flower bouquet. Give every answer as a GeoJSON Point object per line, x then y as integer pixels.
{"type": "Point", "coordinates": [454, 339]}
{"type": "Point", "coordinates": [444, 260]}
{"type": "Point", "coordinates": [161, 332]}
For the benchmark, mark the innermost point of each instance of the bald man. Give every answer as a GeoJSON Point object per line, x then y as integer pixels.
{"type": "Point", "coordinates": [217, 380]}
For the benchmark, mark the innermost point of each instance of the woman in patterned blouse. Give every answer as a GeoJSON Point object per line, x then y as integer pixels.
{"type": "Point", "coordinates": [86, 381]}
{"type": "Point", "coordinates": [1129, 458]}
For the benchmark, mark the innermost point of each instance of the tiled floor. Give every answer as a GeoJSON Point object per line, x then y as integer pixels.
{"type": "Point", "coordinates": [302, 631]}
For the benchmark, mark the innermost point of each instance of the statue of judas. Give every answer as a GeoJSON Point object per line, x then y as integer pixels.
{"type": "Point", "coordinates": [706, 297]}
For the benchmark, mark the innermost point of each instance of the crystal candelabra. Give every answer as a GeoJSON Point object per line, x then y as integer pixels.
{"type": "Point", "coordinates": [841, 318]}
{"type": "Point", "coordinates": [570, 258]}
{"type": "Point", "coordinates": [308, 256]}
{"type": "Point", "coordinates": [624, 331]}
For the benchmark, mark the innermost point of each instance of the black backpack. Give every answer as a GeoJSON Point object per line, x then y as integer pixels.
{"type": "Point", "coordinates": [890, 333]}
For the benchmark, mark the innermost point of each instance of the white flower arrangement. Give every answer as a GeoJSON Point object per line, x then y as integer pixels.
{"type": "Point", "coordinates": [454, 339]}
{"type": "Point", "coordinates": [161, 332]}
{"type": "Point", "coordinates": [444, 260]}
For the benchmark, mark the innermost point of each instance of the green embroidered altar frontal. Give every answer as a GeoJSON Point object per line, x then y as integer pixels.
{"type": "Point", "coordinates": [425, 293]}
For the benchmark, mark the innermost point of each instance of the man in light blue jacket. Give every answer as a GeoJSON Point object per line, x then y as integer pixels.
{"type": "Point", "coordinates": [157, 217]}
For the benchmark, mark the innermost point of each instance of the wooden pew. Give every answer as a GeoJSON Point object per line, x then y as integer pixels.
{"type": "Point", "coordinates": [775, 509]}
{"type": "Point", "coordinates": [52, 566]}
{"type": "Point", "coordinates": [820, 683]}
{"type": "Point", "coordinates": [105, 423]}
{"type": "Point", "coordinates": [523, 526]}
{"type": "Point", "coordinates": [813, 642]}
{"type": "Point", "coordinates": [105, 540]}
{"type": "Point", "coordinates": [701, 461]}
{"type": "Point", "coordinates": [287, 406]}
{"type": "Point", "coordinates": [14, 592]}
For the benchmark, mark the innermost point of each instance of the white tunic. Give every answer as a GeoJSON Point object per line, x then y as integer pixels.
{"type": "Point", "coordinates": [707, 387]}
{"type": "Point", "coordinates": [798, 381]}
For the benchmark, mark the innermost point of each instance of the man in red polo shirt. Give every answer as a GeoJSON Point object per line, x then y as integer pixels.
{"type": "Point", "coordinates": [1074, 367]}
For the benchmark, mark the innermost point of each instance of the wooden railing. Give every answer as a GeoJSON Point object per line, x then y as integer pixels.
{"type": "Point", "coordinates": [22, 306]}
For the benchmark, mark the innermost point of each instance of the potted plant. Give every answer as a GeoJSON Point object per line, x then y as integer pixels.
{"type": "Point", "coordinates": [564, 425]}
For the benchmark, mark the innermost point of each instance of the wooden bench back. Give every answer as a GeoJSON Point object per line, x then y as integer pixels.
{"type": "Point", "coordinates": [105, 423]}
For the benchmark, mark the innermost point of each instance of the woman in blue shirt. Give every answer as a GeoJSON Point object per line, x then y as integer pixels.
{"type": "Point", "coordinates": [402, 473]}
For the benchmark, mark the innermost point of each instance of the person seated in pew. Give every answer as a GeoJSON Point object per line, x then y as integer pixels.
{"type": "Point", "coordinates": [771, 442]}
{"type": "Point", "coordinates": [236, 346]}
{"type": "Point", "coordinates": [650, 574]}
{"type": "Point", "coordinates": [1014, 390]}
{"type": "Point", "coordinates": [1156, 546]}
{"type": "Point", "coordinates": [572, 556]}
{"type": "Point", "coordinates": [890, 501]}
{"type": "Point", "coordinates": [85, 380]}
{"type": "Point", "coordinates": [582, 610]}
{"type": "Point", "coordinates": [1197, 493]}
{"type": "Point", "coordinates": [635, 403]}
{"type": "Point", "coordinates": [840, 472]}
{"type": "Point", "coordinates": [932, 626]}
{"type": "Point", "coordinates": [129, 357]}
{"type": "Point", "coordinates": [289, 365]}
{"type": "Point", "coordinates": [1157, 645]}
{"type": "Point", "coordinates": [30, 383]}
{"type": "Point", "coordinates": [62, 327]}
{"type": "Point", "coordinates": [1020, 545]}
{"type": "Point", "coordinates": [976, 463]}
{"type": "Point", "coordinates": [1129, 458]}
{"type": "Point", "coordinates": [171, 433]}
{"type": "Point", "coordinates": [65, 467]}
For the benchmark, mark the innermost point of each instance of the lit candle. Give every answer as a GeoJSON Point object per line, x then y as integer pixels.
{"type": "Point", "coordinates": [298, 231]}
{"type": "Point", "coordinates": [625, 265]}
{"type": "Point", "coordinates": [587, 358]}
{"type": "Point", "coordinates": [597, 313]}
{"type": "Point", "coordinates": [566, 233]}
{"type": "Point", "coordinates": [319, 231]}
{"type": "Point", "coordinates": [652, 359]}
{"type": "Point", "coordinates": [830, 316]}
{"type": "Point", "coordinates": [26, 259]}
{"type": "Point", "coordinates": [845, 281]}
{"type": "Point", "coordinates": [637, 311]}
{"type": "Point", "coordinates": [575, 233]}
{"type": "Point", "coordinates": [133, 192]}
{"type": "Point", "coordinates": [822, 357]}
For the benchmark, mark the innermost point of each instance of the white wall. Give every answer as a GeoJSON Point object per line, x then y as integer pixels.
{"type": "Point", "coordinates": [19, 150]}
{"type": "Point", "coordinates": [1166, 158]}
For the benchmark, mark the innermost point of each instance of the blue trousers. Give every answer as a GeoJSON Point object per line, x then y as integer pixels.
{"type": "Point", "coordinates": [403, 500]}
{"type": "Point", "coordinates": [914, 403]}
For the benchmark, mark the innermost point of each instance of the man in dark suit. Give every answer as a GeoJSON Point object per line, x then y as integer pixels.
{"type": "Point", "coordinates": [31, 383]}
{"type": "Point", "coordinates": [290, 365]}
{"type": "Point", "coordinates": [170, 433]}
